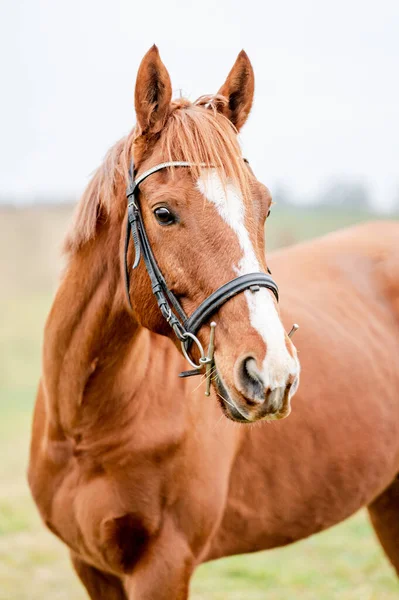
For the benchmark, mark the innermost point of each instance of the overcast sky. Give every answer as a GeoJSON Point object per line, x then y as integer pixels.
{"type": "Point", "coordinates": [326, 98]}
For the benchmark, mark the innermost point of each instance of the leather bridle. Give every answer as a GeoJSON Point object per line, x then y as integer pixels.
{"type": "Point", "coordinates": [184, 327]}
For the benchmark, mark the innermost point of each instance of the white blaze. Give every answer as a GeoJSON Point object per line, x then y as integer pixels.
{"type": "Point", "coordinates": [278, 364]}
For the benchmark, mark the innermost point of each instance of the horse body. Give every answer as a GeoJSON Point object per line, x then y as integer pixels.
{"type": "Point", "coordinates": [204, 488]}
{"type": "Point", "coordinates": [340, 447]}
{"type": "Point", "coordinates": [139, 473]}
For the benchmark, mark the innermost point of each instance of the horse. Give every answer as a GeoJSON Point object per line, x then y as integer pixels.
{"type": "Point", "coordinates": [136, 470]}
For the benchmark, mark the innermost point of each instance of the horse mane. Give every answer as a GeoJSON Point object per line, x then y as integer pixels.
{"type": "Point", "coordinates": [194, 132]}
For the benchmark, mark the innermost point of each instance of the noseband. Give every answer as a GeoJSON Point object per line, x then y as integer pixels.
{"type": "Point", "coordinates": [184, 327]}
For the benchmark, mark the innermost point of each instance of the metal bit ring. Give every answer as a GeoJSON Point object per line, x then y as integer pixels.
{"type": "Point", "coordinates": [196, 341]}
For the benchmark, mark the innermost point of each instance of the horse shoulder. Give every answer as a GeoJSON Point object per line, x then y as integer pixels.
{"type": "Point", "coordinates": [51, 458]}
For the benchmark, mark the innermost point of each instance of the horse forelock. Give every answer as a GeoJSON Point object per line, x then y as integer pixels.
{"type": "Point", "coordinates": [198, 133]}
{"type": "Point", "coordinates": [194, 132]}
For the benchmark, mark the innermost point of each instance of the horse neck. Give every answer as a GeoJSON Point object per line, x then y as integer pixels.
{"type": "Point", "coordinates": [88, 335]}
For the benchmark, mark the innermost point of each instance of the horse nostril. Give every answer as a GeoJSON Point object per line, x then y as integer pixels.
{"type": "Point", "coordinates": [251, 369]}
{"type": "Point", "coordinates": [251, 381]}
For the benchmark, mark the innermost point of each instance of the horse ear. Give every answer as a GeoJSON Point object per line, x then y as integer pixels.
{"type": "Point", "coordinates": [238, 89]}
{"type": "Point", "coordinates": [153, 93]}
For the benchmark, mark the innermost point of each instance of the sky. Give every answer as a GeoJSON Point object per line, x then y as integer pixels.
{"type": "Point", "coordinates": [326, 95]}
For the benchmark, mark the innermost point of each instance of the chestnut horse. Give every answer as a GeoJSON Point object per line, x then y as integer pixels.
{"type": "Point", "coordinates": [140, 474]}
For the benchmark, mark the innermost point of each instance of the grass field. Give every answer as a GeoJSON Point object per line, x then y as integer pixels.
{"type": "Point", "coordinates": [344, 563]}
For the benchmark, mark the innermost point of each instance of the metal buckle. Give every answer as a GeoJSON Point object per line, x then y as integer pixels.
{"type": "Point", "coordinates": [164, 307]}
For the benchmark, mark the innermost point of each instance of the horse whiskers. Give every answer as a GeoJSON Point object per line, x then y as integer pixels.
{"type": "Point", "coordinates": [202, 380]}
{"type": "Point", "coordinates": [212, 375]}
{"type": "Point", "coordinates": [227, 401]}
{"type": "Point", "coordinates": [217, 422]}
{"type": "Point", "coordinates": [204, 377]}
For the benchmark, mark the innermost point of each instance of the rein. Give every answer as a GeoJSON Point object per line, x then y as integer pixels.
{"type": "Point", "coordinates": [184, 327]}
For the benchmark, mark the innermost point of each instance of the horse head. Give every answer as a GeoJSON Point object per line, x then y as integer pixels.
{"type": "Point", "coordinates": [205, 226]}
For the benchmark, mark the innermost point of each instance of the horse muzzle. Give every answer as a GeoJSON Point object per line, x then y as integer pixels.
{"type": "Point", "coordinates": [251, 401]}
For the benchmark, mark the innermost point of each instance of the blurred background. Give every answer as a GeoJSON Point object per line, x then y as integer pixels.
{"type": "Point", "coordinates": [323, 135]}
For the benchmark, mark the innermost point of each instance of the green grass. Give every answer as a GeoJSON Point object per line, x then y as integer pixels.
{"type": "Point", "coordinates": [343, 563]}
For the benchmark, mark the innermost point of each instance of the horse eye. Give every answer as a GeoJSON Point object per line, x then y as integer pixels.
{"type": "Point", "coordinates": [164, 216]}
{"type": "Point", "coordinates": [268, 214]}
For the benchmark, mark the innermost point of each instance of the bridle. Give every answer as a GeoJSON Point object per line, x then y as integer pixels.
{"type": "Point", "coordinates": [184, 327]}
